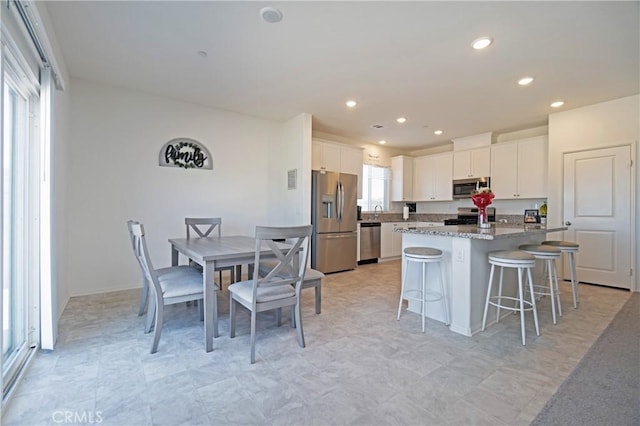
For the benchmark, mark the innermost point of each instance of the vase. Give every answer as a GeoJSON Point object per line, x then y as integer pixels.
{"type": "Point", "coordinates": [483, 219]}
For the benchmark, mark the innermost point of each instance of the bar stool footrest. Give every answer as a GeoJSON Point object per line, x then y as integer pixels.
{"type": "Point", "coordinates": [528, 305]}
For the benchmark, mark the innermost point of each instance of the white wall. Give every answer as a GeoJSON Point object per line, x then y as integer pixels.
{"type": "Point", "coordinates": [291, 152]}
{"type": "Point", "coordinates": [113, 176]}
{"type": "Point", "coordinates": [596, 126]}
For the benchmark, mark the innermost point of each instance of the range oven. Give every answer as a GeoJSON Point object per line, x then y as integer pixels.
{"type": "Point", "coordinates": [463, 188]}
{"type": "Point", "coordinates": [469, 216]}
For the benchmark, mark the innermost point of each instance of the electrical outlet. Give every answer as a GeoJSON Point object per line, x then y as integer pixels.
{"type": "Point", "coordinates": [459, 255]}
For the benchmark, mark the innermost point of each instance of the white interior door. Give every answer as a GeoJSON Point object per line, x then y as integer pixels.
{"type": "Point", "coordinates": [597, 205]}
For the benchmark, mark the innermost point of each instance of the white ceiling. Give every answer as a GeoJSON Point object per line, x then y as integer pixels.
{"type": "Point", "coordinates": [410, 59]}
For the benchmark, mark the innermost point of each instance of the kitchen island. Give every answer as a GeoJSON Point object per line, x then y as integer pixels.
{"type": "Point", "coordinates": [466, 268]}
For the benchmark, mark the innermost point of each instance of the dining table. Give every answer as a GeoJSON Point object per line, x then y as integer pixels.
{"type": "Point", "coordinates": [211, 253]}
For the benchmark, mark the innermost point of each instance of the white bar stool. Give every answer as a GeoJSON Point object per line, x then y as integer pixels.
{"type": "Point", "coordinates": [521, 261]}
{"type": "Point", "coordinates": [549, 254]}
{"type": "Point", "coordinates": [424, 256]}
{"type": "Point", "coordinates": [570, 249]}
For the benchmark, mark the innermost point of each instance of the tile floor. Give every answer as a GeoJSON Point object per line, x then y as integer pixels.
{"type": "Point", "coordinates": [360, 366]}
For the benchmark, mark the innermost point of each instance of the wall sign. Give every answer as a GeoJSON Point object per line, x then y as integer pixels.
{"type": "Point", "coordinates": [186, 153]}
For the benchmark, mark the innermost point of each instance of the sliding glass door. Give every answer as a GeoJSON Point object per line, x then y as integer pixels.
{"type": "Point", "coordinates": [19, 230]}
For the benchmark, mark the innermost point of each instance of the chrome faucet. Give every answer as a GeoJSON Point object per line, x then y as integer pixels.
{"type": "Point", "coordinates": [376, 214]}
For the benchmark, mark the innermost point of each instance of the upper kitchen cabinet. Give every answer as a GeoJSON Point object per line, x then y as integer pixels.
{"type": "Point", "coordinates": [325, 156]}
{"type": "Point", "coordinates": [472, 163]}
{"type": "Point", "coordinates": [401, 178]}
{"type": "Point", "coordinates": [334, 157]}
{"type": "Point", "coordinates": [519, 169]}
{"type": "Point", "coordinates": [432, 176]}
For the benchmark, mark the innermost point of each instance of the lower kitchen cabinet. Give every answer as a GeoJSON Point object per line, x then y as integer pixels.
{"type": "Point", "coordinates": [391, 242]}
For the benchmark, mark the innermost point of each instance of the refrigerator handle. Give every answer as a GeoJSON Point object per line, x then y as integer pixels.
{"type": "Point", "coordinates": [340, 201]}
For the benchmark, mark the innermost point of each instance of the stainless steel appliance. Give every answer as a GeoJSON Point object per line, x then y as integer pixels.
{"type": "Point", "coordinates": [369, 242]}
{"type": "Point", "coordinates": [469, 216]}
{"type": "Point", "coordinates": [333, 215]}
{"type": "Point", "coordinates": [463, 188]}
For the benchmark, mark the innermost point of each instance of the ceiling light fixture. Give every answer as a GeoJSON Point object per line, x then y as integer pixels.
{"type": "Point", "coordinates": [438, 132]}
{"type": "Point", "coordinates": [557, 104]}
{"type": "Point", "coordinates": [382, 142]}
{"type": "Point", "coordinates": [351, 104]}
{"type": "Point", "coordinates": [481, 43]}
{"type": "Point", "coordinates": [525, 81]}
{"type": "Point", "coordinates": [401, 120]}
{"type": "Point", "coordinates": [270, 14]}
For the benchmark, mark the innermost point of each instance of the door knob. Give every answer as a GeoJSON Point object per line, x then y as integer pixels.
{"type": "Point", "coordinates": [567, 223]}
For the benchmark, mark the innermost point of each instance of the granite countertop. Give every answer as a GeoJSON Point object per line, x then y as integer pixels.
{"type": "Point", "coordinates": [367, 217]}
{"type": "Point", "coordinates": [472, 231]}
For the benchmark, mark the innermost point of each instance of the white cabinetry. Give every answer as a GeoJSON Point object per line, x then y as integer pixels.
{"type": "Point", "coordinates": [401, 178]}
{"type": "Point", "coordinates": [351, 161]}
{"type": "Point", "coordinates": [391, 242]}
{"type": "Point", "coordinates": [472, 163]}
{"type": "Point", "coordinates": [325, 156]}
{"type": "Point", "coordinates": [519, 169]}
{"type": "Point", "coordinates": [432, 177]}
{"type": "Point", "coordinates": [333, 157]}
{"type": "Point", "coordinates": [386, 249]}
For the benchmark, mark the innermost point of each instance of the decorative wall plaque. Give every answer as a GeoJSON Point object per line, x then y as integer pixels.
{"type": "Point", "coordinates": [186, 153]}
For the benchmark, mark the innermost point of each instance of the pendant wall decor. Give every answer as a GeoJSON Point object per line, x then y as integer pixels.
{"type": "Point", "coordinates": [186, 153]}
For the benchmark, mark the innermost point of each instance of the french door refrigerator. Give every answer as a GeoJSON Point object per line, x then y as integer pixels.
{"type": "Point", "coordinates": [333, 215]}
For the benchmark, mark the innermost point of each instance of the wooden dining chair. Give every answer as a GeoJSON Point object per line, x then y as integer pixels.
{"type": "Point", "coordinates": [204, 228]}
{"type": "Point", "coordinates": [280, 286]}
{"type": "Point", "coordinates": [144, 297]}
{"type": "Point", "coordinates": [180, 285]}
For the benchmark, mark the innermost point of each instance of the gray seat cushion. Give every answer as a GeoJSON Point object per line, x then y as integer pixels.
{"type": "Point", "coordinates": [244, 290]}
{"type": "Point", "coordinates": [179, 283]}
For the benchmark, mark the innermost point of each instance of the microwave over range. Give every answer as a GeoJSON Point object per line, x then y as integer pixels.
{"type": "Point", "coordinates": [463, 188]}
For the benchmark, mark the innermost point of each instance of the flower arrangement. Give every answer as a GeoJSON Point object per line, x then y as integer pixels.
{"type": "Point", "coordinates": [482, 199]}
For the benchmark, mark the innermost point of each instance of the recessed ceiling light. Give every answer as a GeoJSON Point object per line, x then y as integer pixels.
{"type": "Point", "coordinates": [270, 14]}
{"type": "Point", "coordinates": [202, 53]}
{"type": "Point", "coordinates": [438, 132]}
{"type": "Point", "coordinates": [401, 120]}
{"type": "Point", "coordinates": [525, 80]}
{"type": "Point", "coordinates": [382, 142]}
{"type": "Point", "coordinates": [351, 103]}
{"type": "Point", "coordinates": [481, 43]}
{"type": "Point", "coordinates": [557, 104]}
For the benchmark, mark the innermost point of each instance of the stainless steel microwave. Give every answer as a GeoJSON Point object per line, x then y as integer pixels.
{"type": "Point", "coordinates": [463, 188]}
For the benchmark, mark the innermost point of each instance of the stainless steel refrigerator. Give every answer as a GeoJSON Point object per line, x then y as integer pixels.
{"type": "Point", "coordinates": [333, 215]}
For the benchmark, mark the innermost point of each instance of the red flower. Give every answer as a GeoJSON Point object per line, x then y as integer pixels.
{"type": "Point", "coordinates": [482, 198]}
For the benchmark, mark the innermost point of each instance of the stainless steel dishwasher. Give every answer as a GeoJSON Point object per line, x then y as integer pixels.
{"type": "Point", "coordinates": [369, 242]}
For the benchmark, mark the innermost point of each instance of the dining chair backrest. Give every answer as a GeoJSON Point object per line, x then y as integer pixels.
{"type": "Point", "coordinates": [131, 224]}
{"type": "Point", "coordinates": [283, 271]}
{"type": "Point", "coordinates": [203, 226]}
{"type": "Point", "coordinates": [142, 254]}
